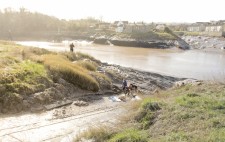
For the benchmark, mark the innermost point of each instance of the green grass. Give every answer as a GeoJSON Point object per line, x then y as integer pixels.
{"type": "Point", "coordinates": [164, 35]}
{"type": "Point", "coordinates": [130, 135]}
{"type": "Point", "coordinates": [195, 110]}
{"type": "Point", "coordinates": [192, 33]}
{"type": "Point", "coordinates": [24, 78]}
{"type": "Point", "coordinates": [193, 113]}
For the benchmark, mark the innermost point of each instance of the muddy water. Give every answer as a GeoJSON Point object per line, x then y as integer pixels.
{"type": "Point", "coordinates": [198, 64]}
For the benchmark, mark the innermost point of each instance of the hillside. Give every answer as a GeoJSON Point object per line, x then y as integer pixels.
{"type": "Point", "coordinates": [33, 77]}
{"type": "Point", "coordinates": [189, 112]}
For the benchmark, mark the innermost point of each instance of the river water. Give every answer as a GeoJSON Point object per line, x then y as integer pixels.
{"type": "Point", "coordinates": [199, 64]}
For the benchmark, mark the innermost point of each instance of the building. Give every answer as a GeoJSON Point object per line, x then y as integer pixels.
{"type": "Point", "coordinates": [138, 28]}
{"type": "Point", "coordinates": [212, 28]}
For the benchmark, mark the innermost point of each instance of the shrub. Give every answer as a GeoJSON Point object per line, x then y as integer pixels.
{"type": "Point", "coordinates": [130, 135]}
{"type": "Point", "coordinates": [98, 134]}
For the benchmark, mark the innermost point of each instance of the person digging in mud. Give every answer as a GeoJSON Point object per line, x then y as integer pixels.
{"type": "Point", "coordinates": [71, 47]}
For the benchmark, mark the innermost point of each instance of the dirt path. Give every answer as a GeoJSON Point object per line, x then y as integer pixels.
{"type": "Point", "coordinates": [60, 124]}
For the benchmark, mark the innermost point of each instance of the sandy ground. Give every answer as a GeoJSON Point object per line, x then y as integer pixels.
{"type": "Point", "coordinates": [61, 124]}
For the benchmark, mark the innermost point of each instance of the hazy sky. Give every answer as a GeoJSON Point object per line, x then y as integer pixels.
{"type": "Point", "coordinates": [132, 10]}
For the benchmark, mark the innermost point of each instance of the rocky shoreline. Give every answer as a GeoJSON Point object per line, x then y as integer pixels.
{"type": "Point", "coordinates": [203, 42]}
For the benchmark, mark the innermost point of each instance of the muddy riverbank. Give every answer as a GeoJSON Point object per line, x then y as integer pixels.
{"type": "Point", "coordinates": [63, 93]}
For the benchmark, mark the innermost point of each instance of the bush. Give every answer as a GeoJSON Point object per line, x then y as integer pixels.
{"type": "Point", "coordinates": [99, 134]}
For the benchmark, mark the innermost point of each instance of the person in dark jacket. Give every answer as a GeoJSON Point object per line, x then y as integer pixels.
{"type": "Point", "coordinates": [71, 47]}
{"type": "Point", "coordinates": [124, 84]}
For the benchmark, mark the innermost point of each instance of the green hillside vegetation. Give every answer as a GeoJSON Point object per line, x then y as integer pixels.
{"type": "Point", "coordinates": [182, 114]}
{"type": "Point", "coordinates": [27, 70]}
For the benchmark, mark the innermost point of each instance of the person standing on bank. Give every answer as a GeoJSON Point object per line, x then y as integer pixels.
{"type": "Point", "coordinates": [124, 84]}
{"type": "Point", "coordinates": [71, 47]}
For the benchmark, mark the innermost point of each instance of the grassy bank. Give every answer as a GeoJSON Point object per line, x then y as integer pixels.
{"type": "Point", "coordinates": [25, 71]}
{"type": "Point", "coordinates": [187, 113]}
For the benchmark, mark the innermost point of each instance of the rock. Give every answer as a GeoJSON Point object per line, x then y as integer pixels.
{"type": "Point", "coordinates": [188, 81]}
{"type": "Point", "coordinates": [37, 109]}
{"type": "Point", "coordinates": [80, 103]}
{"type": "Point", "coordinates": [58, 104]}
{"type": "Point", "coordinates": [109, 92]}
{"type": "Point", "coordinates": [47, 96]}
{"type": "Point", "coordinates": [122, 98]}
{"type": "Point", "coordinates": [19, 107]}
{"type": "Point", "coordinates": [26, 104]}
{"type": "Point", "coordinates": [182, 44]}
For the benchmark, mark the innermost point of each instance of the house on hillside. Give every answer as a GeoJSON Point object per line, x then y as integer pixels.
{"type": "Point", "coordinates": [137, 28]}
{"type": "Point", "coordinates": [197, 27]}
{"type": "Point", "coordinates": [178, 27]}
{"type": "Point", "coordinates": [120, 26]}
{"type": "Point", "coordinates": [160, 27]}
{"type": "Point", "coordinates": [212, 28]}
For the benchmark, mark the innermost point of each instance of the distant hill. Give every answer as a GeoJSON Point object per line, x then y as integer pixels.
{"type": "Point", "coordinates": [24, 24]}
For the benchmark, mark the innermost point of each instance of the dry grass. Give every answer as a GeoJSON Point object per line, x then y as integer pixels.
{"type": "Point", "coordinates": [89, 65]}
{"type": "Point", "coordinates": [60, 66]}
{"type": "Point", "coordinates": [99, 134]}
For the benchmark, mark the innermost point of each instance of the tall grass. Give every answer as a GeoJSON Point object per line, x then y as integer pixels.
{"type": "Point", "coordinates": [91, 66]}
{"type": "Point", "coordinates": [75, 74]}
{"type": "Point", "coordinates": [24, 78]}
{"type": "Point", "coordinates": [98, 134]}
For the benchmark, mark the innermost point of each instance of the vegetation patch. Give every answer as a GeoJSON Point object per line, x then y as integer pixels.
{"type": "Point", "coordinates": [130, 135]}
{"type": "Point", "coordinates": [98, 134]}
{"type": "Point", "coordinates": [27, 75]}
{"type": "Point", "coordinates": [187, 113]}
{"type": "Point", "coordinates": [60, 66]}
{"type": "Point", "coordinates": [24, 78]}
{"type": "Point", "coordinates": [91, 66]}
